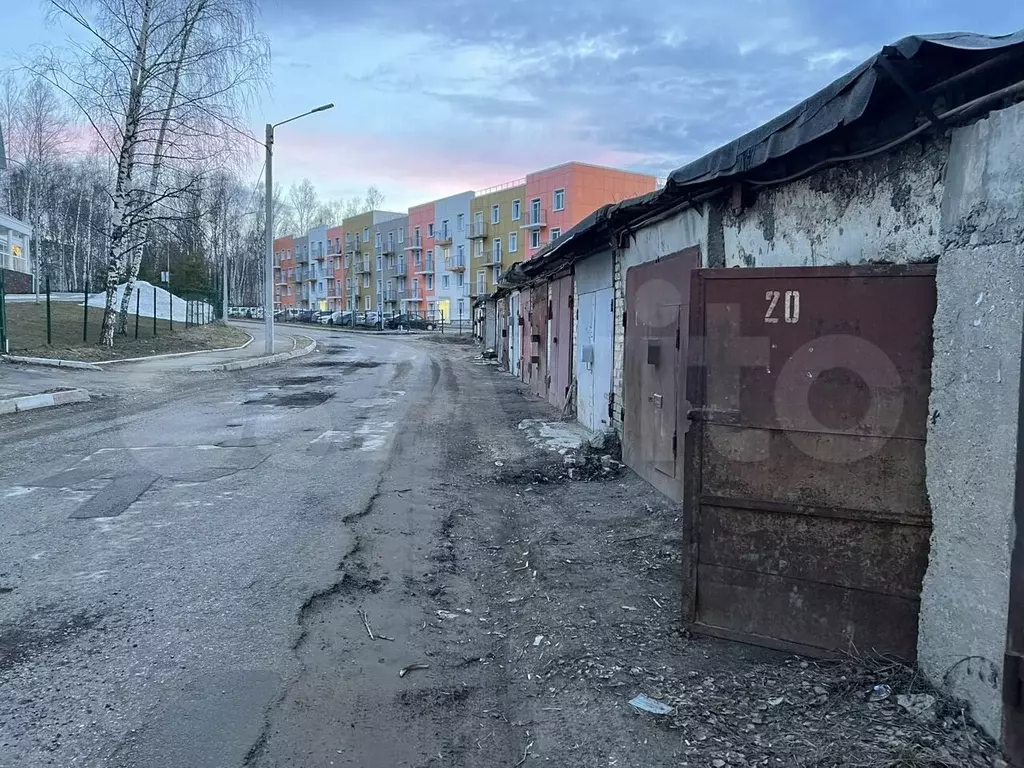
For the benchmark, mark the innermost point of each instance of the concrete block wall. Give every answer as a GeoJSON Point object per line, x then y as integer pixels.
{"type": "Point", "coordinates": [972, 438]}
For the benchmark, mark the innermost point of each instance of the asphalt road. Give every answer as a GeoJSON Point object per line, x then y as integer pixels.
{"type": "Point", "coordinates": [159, 550]}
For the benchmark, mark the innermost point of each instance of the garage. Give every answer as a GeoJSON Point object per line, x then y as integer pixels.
{"type": "Point", "coordinates": [594, 344]}
{"type": "Point", "coordinates": [807, 515]}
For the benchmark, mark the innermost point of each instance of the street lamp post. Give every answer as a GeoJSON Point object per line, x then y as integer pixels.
{"type": "Point", "coordinates": [268, 298]}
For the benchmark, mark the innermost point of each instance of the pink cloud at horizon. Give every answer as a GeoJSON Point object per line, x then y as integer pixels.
{"type": "Point", "coordinates": [411, 173]}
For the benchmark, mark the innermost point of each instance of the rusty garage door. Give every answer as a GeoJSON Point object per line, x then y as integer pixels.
{"type": "Point", "coordinates": [807, 514]}
{"type": "Point", "coordinates": [654, 364]}
{"type": "Point", "coordinates": [537, 343]}
{"type": "Point", "coordinates": [560, 364]}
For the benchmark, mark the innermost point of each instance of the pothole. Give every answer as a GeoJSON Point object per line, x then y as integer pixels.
{"type": "Point", "coordinates": [296, 380]}
{"type": "Point", "coordinates": [337, 350]}
{"type": "Point", "coordinates": [348, 365]}
{"type": "Point", "coordinates": [293, 400]}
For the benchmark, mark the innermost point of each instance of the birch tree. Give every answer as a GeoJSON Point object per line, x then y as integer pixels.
{"type": "Point", "coordinates": [158, 82]}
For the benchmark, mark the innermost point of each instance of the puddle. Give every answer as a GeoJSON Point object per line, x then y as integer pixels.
{"type": "Point", "coordinates": [348, 365]}
{"type": "Point", "coordinates": [293, 400]}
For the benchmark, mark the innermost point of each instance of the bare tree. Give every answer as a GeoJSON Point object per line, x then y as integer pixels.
{"type": "Point", "coordinates": [305, 205]}
{"type": "Point", "coordinates": [158, 82]}
{"type": "Point", "coordinates": [374, 199]}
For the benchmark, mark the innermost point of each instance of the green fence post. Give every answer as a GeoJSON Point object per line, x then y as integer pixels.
{"type": "Point", "coordinates": [49, 334]}
{"type": "Point", "coordinates": [170, 303]}
{"type": "Point", "coordinates": [154, 311]}
{"type": "Point", "coordinates": [85, 315]}
{"type": "Point", "coordinates": [138, 300]}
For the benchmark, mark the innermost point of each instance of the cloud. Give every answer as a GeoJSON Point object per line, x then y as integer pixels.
{"type": "Point", "coordinates": [462, 89]}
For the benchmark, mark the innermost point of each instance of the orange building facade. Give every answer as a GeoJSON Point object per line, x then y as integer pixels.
{"type": "Point", "coordinates": [558, 198]}
{"type": "Point", "coordinates": [419, 260]}
{"type": "Point", "coordinates": [284, 272]}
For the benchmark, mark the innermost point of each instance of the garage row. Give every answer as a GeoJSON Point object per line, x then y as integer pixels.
{"type": "Point", "coordinates": [811, 338]}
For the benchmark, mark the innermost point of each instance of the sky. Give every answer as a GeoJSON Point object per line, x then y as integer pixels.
{"type": "Point", "coordinates": [435, 97]}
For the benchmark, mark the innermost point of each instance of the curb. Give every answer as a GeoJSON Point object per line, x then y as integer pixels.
{"type": "Point", "coordinates": [47, 400]}
{"type": "Point", "coordinates": [52, 362]}
{"type": "Point", "coordinates": [175, 354]}
{"type": "Point", "coordinates": [256, 362]}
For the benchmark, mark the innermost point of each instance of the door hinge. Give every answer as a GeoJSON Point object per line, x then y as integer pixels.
{"type": "Point", "coordinates": [677, 337]}
{"type": "Point", "coordinates": [675, 444]}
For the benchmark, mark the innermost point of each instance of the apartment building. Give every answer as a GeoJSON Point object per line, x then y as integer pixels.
{"type": "Point", "coordinates": [360, 262]}
{"type": "Point", "coordinates": [284, 271]}
{"type": "Point", "coordinates": [334, 269]}
{"type": "Point", "coordinates": [451, 258]}
{"type": "Point", "coordinates": [419, 261]}
{"type": "Point", "coordinates": [557, 198]}
{"type": "Point", "coordinates": [298, 278]}
{"type": "Point", "coordinates": [495, 234]}
{"type": "Point", "coordinates": [315, 274]}
{"type": "Point", "coordinates": [391, 277]}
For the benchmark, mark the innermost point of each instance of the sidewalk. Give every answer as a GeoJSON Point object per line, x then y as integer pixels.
{"type": "Point", "coordinates": [17, 380]}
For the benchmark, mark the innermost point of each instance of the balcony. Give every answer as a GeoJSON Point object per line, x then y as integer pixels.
{"type": "Point", "coordinates": [457, 264]}
{"type": "Point", "coordinates": [414, 244]}
{"type": "Point", "coordinates": [302, 258]}
{"type": "Point", "coordinates": [320, 254]}
{"type": "Point", "coordinates": [400, 269]}
{"type": "Point", "coordinates": [477, 230]}
{"type": "Point", "coordinates": [426, 268]}
{"type": "Point", "coordinates": [385, 248]}
{"type": "Point", "coordinates": [443, 237]}
{"type": "Point", "coordinates": [534, 218]}
{"type": "Point", "coordinates": [365, 268]}
{"type": "Point", "coordinates": [417, 296]}
{"type": "Point", "coordinates": [496, 256]}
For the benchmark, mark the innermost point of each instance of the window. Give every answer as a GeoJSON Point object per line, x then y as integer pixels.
{"type": "Point", "coordinates": [481, 282]}
{"type": "Point", "coordinates": [496, 250]}
{"type": "Point", "coordinates": [460, 222]}
{"type": "Point", "coordinates": [416, 286]}
{"type": "Point", "coordinates": [535, 217]}
{"type": "Point", "coordinates": [495, 214]}
{"type": "Point", "coordinates": [348, 259]}
{"type": "Point", "coordinates": [558, 203]}
{"type": "Point", "coordinates": [513, 242]}
{"type": "Point", "coordinates": [497, 275]}
{"type": "Point", "coordinates": [366, 281]}
{"type": "Point", "coordinates": [377, 239]}
{"type": "Point", "coordinates": [401, 234]}
{"type": "Point", "coordinates": [516, 210]}
{"type": "Point", "coordinates": [367, 303]}
{"type": "Point", "coordinates": [462, 308]}
{"type": "Point", "coordinates": [459, 279]}
{"type": "Point", "coordinates": [391, 241]}
{"type": "Point", "coordinates": [535, 239]}
{"type": "Point", "coordinates": [479, 248]}
{"type": "Point", "coordinates": [444, 229]}
{"type": "Point", "coordinates": [430, 229]}
{"type": "Point", "coordinates": [416, 258]}
{"type": "Point", "coordinates": [348, 238]}
{"type": "Point", "coordinates": [430, 282]}
{"type": "Point", "coordinates": [380, 285]}
{"type": "Point", "coordinates": [391, 263]}
{"type": "Point", "coordinates": [555, 233]}
{"type": "Point", "coordinates": [366, 234]}
{"type": "Point", "coordinates": [446, 253]}
{"type": "Point", "coordinates": [416, 236]}
{"type": "Point", "coordinates": [391, 287]}
{"type": "Point", "coordinates": [444, 281]}
{"type": "Point", "coordinates": [380, 263]}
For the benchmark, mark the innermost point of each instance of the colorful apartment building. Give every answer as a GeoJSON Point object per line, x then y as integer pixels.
{"type": "Point", "coordinates": [419, 260]}
{"type": "Point", "coordinates": [334, 269]}
{"type": "Point", "coordinates": [442, 254]}
{"type": "Point", "coordinates": [361, 273]}
{"type": "Point", "coordinates": [494, 231]}
{"type": "Point", "coordinates": [284, 267]}
{"type": "Point", "coordinates": [389, 264]}
{"type": "Point", "coordinates": [451, 259]}
{"type": "Point", "coordinates": [557, 198]}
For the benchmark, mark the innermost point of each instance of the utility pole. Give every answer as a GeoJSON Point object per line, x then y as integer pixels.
{"type": "Point", "coordinates": [268, 266]}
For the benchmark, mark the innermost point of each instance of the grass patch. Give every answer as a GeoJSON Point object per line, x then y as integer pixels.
{"type": "Point", "coordinates": [26, 334]}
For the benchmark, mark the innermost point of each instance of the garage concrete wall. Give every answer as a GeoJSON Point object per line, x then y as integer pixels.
{"type": "Point", "coordinates": [971, 449]}
{"type": "Point", "coordinates": [687, 229]}
{"type": "Point", "coordinates": [885, 208]}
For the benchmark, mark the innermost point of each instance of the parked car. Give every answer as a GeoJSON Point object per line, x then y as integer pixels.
{"type": "Point", "coordinates": [319, 316]}
{"type": "Point", "coordinates": [305, 316]}
{"type": "Point", "coordinates": [411, 321]}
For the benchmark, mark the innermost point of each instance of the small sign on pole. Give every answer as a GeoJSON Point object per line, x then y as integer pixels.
{"type": "Point", "coordinates": [165, 277]}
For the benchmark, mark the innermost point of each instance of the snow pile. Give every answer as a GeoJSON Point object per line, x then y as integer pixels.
{"type": "Point", "coordinates": [200, 312]}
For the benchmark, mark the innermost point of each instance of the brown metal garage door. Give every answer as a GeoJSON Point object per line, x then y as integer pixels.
{"type": "Point", "coordinates": [654, 365]}
{"type": "Point", "coordinates": [540, 313]}
{"type": "Point", "coordinates": [807, 514]}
